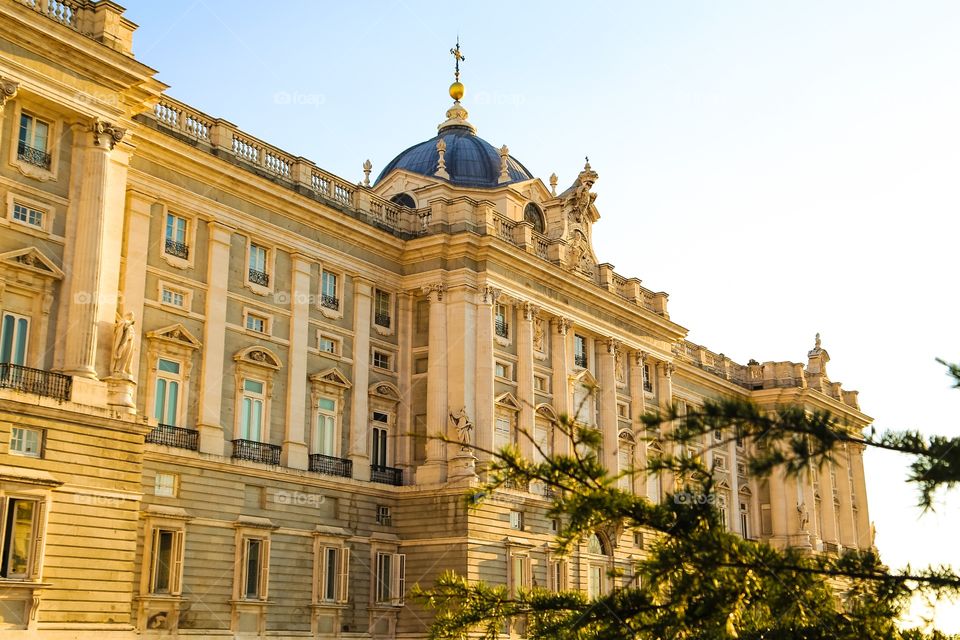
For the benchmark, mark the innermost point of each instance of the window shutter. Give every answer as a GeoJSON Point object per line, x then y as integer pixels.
{"type": "Point", "coordinates": [527, 572]}
{"type": "Point", "coordinates": [399, 581]}
{"type": "Point", "coordinates": [154, 545]}
{"type": "Point", "coordinates": [176, 565]}
{"type": "Point", "coordinates": [264, 568]}
{"type": "Point", "coordinates": [36, 552]}
{"type": "Point", "coordinates": [343, 575]}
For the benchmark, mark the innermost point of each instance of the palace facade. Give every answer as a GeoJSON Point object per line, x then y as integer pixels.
{"type": "Point", "coordinates": [219, 364]}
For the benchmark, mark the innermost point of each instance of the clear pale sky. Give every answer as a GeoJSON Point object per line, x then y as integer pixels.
{"type": "Point", "coordinates": [778, 168]}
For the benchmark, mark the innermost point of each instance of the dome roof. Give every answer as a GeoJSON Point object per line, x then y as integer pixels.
{"type": "Point", "coordinates": [470, 160]}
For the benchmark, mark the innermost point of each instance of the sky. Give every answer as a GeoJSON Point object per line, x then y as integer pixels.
{"type": "Point", "coordinates": [780, 169]}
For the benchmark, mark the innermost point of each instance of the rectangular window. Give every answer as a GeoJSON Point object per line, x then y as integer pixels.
{"type": "Point", "coordinates": [328, 345]}
{"type": "Point", "coordinates": [256, 559]}
{"type": "Point", "coordinates": [26, 442]}
{"type": "Point", "coordinates": [381, 359]}
{"type": "Point", "coordinates": [256, 323]}
{"type": "Point", "coordinates": [165, 485]}
{"type": "Point", "coordinates": [540, 384]}
{"type": "Point", "coordinates": [502, 435]}
{"type": "Point", "coordinates": [558, 575]}
{"type": "Point", "coordinates": [22, 539]}
{"type": "Point", "coordinates": [258, 265]}
{"type": "Point", "coordinates": [172, 297]}
{"type": "Point", "coordinates": [390, 578]}
{"type": "Point", "coordinates": [720, 462]}
{"type": "Point", "coordinates": [175, 237]}
{"type": "Point", "coordinates": [334, 574]}
{"type": "Point", "coordinates": [384, 516]}
{"type": "Point", "coordinates": [251, 410]}
{"type": "Point", "coordinates": [744, 520]}
{"type": "Point", "coordinates": [543, 447]}
{"type": "Point", "coordinates": [580, 351]}
{"type": "Point", "coordinates": [502, 370]}
{"type": "Point", "coordinates": [520, 572]}
{"type": "Point", "coordinates": [329, 292]}
{"type": "Point", "coordinates": [516, 520]}
{"type": "Point", "coordinates": [166, 562]}
{"type": "Point", "coordinates": [595, 581]}
{"type": "Point", "coordinates": [378, 449]}
{"type": "Point", "coordinates": [28, 215]}
{"type": "Point", "coordinates": [14, 336]}
{"type": "Point", "coordinates": [647, 383]}
{"type": "Point", "coordinates": [500, 324]}
{"type": "Point", "coordinates": [381, 308]}
{"type": "Point", "coordinates": [324, 437]}
{"type": "Point", "coordinates": [167, 392]}
{"type": "Point", "coordinates": [33, 140]}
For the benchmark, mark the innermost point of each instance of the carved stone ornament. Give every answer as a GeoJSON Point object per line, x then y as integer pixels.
{"type": "Point", "coordinates": [432, 290]}
{"type": "Point", "coordinates": [8, 90]}
{"type": "Point", "coordinates": [490, 295]}
{"type": "Point", "coordinates": [106, 134]}
{"type": "Point", "coordinates": [538, 333]}
{"type": "Point", "coordinates": [563, 326]}
{"type": "Point", "coordinates": [464, 427]}
{"type": "Point", "coordinates": [123, 338]}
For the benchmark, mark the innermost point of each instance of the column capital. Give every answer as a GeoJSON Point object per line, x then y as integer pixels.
{"type": "Point", "coordinates": [639, 358]}
{"type": "Point", "coordinates": [8, 90]}
{"type": "Point", "coordinates": [489, 295]}
{"type": "Point", "coordinates": [434, 291]}
{"type": "Point", "coordinates": [106, 134]}
{"type": "Point", "coordinates": [530, 311]}
{"type": "Point", "coordinates": [613, 346]}
{"type": "Point", "coordinates": [563, 325]}
{"type": "Point", "coordinates": [667, 368]}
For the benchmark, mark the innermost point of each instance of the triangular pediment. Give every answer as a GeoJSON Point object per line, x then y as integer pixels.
{"type": "Point", "coordinates": [745, 490]}
{"type": "Point", "coordinates": [331, 376]}
{"type": "Point", "coordinates": [585, 378]}
{"type": "Point", "coordinates": [175, 333]}
{"type": "Point", "coordinates": [31, 259]}
{"type": "Point", "coordinates": [258, 356]}
{"type": "Point", "coordinates": [508, 400]}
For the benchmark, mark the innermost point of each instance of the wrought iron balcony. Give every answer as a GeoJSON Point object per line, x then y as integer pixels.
{"type": "Point", "coordinates": [36, 381]}
{"type": "Point", "coordinates": [36, 157]}
{"type": "Point", "coordinates": [259, 277]}
{"type": "Point", "coordinates": [648, 386]}
{"type": "Point", "coordinates": [172, 436]}
{"type": "Point", "coordinates": [256, 451]}
{"type": "Point", "coordinates": [331, 466]}
{"type": "Point", "coordinates": [501, 327]}
{"type": "Point", "coordinates": [382, 319]}
{"type": "Point", "coordinates": [177, 249]}
{"type": "Point", "coordinates": [580, 359]}
{"type": "Point", "coordinates": [330, 302]}
{"type": "Point", "coordinates": [386, 475]}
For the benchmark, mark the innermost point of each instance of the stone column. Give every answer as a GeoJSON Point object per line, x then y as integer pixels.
{"type": "Point", "coordinates": [607, 397]}
{"type": "Point", "coordinates": [665, 399]}
{"type": "Point", "coordinates": [484, 400]}
{"type": "Point", "coordinates": [827, 508]}
{"type": "Point", "coordinates": [780, 501]}
{"type": "Point", "coordinates": [134, 274]}
{"type": "Point", "coordinates": [638, 408]}
{"type": "Point", "coordinates": [295, 448]}
{"type": "Point", "coordinates": [86, 269]}
{"type": "Point", "coordinates": [405, 323]}
{"type": "Point", "coordinates": [805, 482]}
{"type": "Point", "coordinates": [864, 529]}
{"type": "Point", "coordinates": [845, 508]}
{"type": "Point", "coordinates": [461, 352]}
{"type": "Point", "coordinates": [560, 346]}
{"type": "Point", "coordinates": [734, 508]}
{"type": "Point", "coordinates": [359, 401]}
{"type": "Point", "coordinates": [214, 334]}
{"type": "Point", "coordinates": [525, 396]}
{"type": "Point", "coordinates": [434, 470]}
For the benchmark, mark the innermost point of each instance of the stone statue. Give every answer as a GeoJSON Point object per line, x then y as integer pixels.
{"type": "Point", "coordinates": [803, 516]}
{"type": "Point", "coordinates": [463, 425]}
{"type": "Point", "coordinates": [538, 334]}
{"type": "Point", "coordinates": [123, 336]}
{"type": "Point", "coordinates": [621, 371]}
{"type": "Point", "coordinates": [578, 202]}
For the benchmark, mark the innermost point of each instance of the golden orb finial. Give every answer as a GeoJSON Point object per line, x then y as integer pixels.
{"type": "Point", "coordinates": [456, 90]}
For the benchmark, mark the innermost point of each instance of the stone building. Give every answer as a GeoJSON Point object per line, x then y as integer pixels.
{"type": "Point", "coordinates": [219, 363]}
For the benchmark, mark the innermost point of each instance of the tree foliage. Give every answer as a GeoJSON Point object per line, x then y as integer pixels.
{"type": "Point", "coordinates": [698, 580]}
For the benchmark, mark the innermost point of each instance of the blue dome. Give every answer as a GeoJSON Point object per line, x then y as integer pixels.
{"type": "Point", "coordinates": [470, 160]}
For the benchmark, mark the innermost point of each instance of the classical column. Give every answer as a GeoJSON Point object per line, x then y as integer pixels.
{"type": "Point", "coordinates": [359, 401]}
{"type": "Point", "coordinates": [434, 469]}
{"type": "Point", "coordinates": [665, 399]}
{"type": "Point", "coordinates": [734, 508]}
{"type": "Point", "coordinates": [214, 334]}
{"type": "Point", "coordinates": [86, 269]}
{"type": "Point", "coordinates": [483, 424]}
{"type": "Point", "coordinates": [133, 277]}
{"type": "Point", "coordinates": [294, 443]}
{"type": "Point", "coordinates": [827, 508]}
{"type": "Point", "coordinates": [639, 406]}
{"type": "Point", "coordinates": [525, 377]}
{"type": "Point", "coordinates": [806, 493]}
{"type": "Point", "coordinates": [560, 337]}
{"type": "Point", "coordinates": [864, 528]}
{"type": "Point", "coordinates": [607, 396]}
{"type": "Point", "coordinates": [461, 351]}
{"type": "Point", "coordinates": [848, 536]}
{"type": "Point", "coordinates": [405, 323]}
{"type": "Point", "coordinates": [778, 507]}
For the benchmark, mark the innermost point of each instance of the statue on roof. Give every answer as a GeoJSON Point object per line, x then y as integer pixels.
{"type": "Point", "coordinates": [579, 197]}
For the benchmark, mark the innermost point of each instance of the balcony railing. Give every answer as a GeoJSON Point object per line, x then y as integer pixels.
{"type": "Point", "coordinates": [382, 320]}
{"type": "Point", "coordinates": [580, 359]}
{"type": "Point", "coordinates": [386, 475]}
{"type": "Point", "coordinates": [177, 249]}
{"type": "Point", "coordinates": [259, 277]}
{"type": "Point", "coordinates": [36, 381]}
{"type": "Point", "coordinates": [330, 302]}
{"type": "Point", "coordinates": [256, 451]}
{"type": "Point", "coordinates": [501, 327]}
{"type": "Point", "coordinates": [331, 466]}
{"type": "Point", "coordinates": [36, 157]}
{"type": "Point", "coordinates": [648, 386]}
{"type": "Point", "coordinates": [172, 436]}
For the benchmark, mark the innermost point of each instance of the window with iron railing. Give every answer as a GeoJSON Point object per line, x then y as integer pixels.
{"type": "Point", "coordinates": [382, 302]}
{"type": "Point", "coordinates": [33, 140]}
{"type": "Point", "coordinates": [500, 325]}
{"type": "Point", "coordinates": [258, 266]}
{"type": "Point", "coordinates": [580, 351]}
{"type": "Point", "coordinates": [329, 291]}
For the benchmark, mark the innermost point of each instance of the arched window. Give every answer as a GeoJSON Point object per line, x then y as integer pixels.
{"type": "Point", "coordinates": [595, 545]}
{"type": "Point", "coordinates": [404, 200]}
{"type": "Point", "coordinates": [533, 215]}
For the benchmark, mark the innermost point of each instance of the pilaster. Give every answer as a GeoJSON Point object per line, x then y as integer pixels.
{"type": "Point", "coordinates": [295, 451]}
{"type": "Point", "coordinates": [360, 410]}
{"type": "Point", "coordinates": [461, 351]}
{"type": "Point", "coordinates": [609, 424]}
{"type": "Point", "coordinates": [526, 315]}
{"type": "Point", "coordinates": [434, 469]}
{"type": "Point", "coordinates": [638, 407]}
{"type": "Point", "coordinates": [560, 346]}
{"type": "Point", "coordinates": [136, 244]}
{"type": "Point", "coordinates": [484, 396]}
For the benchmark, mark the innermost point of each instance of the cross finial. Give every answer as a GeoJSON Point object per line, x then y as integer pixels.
{"type": "Point", "coordinates": [458, 58]}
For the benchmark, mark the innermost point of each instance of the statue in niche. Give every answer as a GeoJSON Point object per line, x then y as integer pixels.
{"type": "Point", "coordinates": [538, 334]}
{"type": "Point", "coordinates": [464, 427]}
{"type": "Point", "coordinates": [580, 257]}
{"type": "Point", "coordinates": [621, 371]}
{"type": "Point", "coordinates": [803, 516]}
{"type": "Point", "coordinates": [123, 337]}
